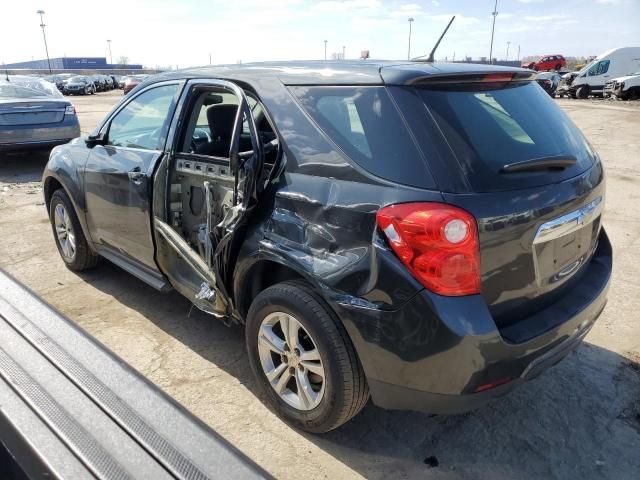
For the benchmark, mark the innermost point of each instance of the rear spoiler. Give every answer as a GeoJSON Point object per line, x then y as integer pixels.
{"type": "Point", "coordinates": [473, 77]}
{"type": "Point", "coordinates": [72, 409]}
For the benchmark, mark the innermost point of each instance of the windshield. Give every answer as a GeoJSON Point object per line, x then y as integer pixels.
{"type": "Point", "coordinates": [487, 128]}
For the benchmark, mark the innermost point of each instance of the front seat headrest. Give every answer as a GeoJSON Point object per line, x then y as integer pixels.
{"type": "Point", "coordinates": [221, 120]}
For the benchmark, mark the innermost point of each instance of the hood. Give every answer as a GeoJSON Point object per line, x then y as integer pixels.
{"type": "Point", "coordinates": [625, 78]}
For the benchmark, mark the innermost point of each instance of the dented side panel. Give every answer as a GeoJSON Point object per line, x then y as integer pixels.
{"type": "Point", "coordinates": [324, 229]}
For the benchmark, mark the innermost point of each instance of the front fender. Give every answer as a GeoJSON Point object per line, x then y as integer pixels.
{"type": "Point", "coordinates": [65, 169]}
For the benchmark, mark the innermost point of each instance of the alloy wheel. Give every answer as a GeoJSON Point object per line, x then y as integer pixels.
{"type": "Point", "coordinates": [64, 232]}
{"type": "Point", "coordinates": [291, 361]}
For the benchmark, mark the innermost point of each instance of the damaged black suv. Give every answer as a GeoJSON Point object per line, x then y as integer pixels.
{"type": "Point", "coordinates": [425, 234]}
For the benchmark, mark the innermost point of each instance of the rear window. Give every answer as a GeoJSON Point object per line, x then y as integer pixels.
{"type": "Point", "coordinates": [365, 124]}
{"type": "Point", "coordinates": [486, 129]}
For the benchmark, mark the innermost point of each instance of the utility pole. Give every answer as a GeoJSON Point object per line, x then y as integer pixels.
{"type": "Point", "coordinates": [110, 55]}
{"type": "Point", "coordinates": [209, 58]}
{"type": "Point", "coordinates": [493, 27]}
{"type": "Point", "coordinates": [409, 49]}
{"type": "Point", "coordinates": [325, 49]}
{"type": "Point", "coordinates": [508, 44]}
{"type": "Point", "coordinates": [343, 50]}
{"type": "Point", "coordinates": [518, 52]}
{"type": "Point", "coordinates": [46, 48]}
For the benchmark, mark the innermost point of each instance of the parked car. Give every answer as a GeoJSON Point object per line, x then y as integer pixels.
{"type": "Point", "coordinates": [79, 85]}
{"type": "Point", "coordinates": [549, 81]}
{"type": "Point", "coordinates": [624, 88]}
{"type": "Point", "coordinates": [100, 82]}
{"type": "Point", "coordinates": [34, 115]}
{"type": "Point", "coordinates": [132, 82]}
{"type": "Point", "coordinates": [58, 80]}
{"type": "Point", "coordinates": [378, 229]}
{"type": "Point", "coordinates": [549, 62]}
{"type": "Point", "coordinates": [611, 64]}
{"type": "Point", "coordinates": [122, 81]}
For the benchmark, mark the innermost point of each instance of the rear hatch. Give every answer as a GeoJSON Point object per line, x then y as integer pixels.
{"type": "Point", "coordinates": [499, 147]}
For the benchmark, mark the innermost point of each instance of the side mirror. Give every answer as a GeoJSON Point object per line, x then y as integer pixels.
{"type": "Point", "coordinates": [93, 140]}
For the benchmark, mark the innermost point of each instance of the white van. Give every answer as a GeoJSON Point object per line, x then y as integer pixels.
{"type": "Point", "coordinates": [614, 63]}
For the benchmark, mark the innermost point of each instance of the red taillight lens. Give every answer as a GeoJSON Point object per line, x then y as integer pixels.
{"type": "Point", "coordinates": [498, 77]}
{"type": "Point", "coordinates": [437, 242]}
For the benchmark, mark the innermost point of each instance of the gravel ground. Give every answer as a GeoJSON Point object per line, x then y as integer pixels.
{"type": "Point", "coordinates": [580, 419]}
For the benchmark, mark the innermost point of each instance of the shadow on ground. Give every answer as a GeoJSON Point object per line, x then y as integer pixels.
{"type": "Point", "coordinates": [580, 419]}
{"type": "Point", "coordinates": [23, 167]}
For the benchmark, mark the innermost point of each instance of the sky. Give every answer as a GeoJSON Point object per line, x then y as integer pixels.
{"type": "Point", "coordinates": [186, 32]}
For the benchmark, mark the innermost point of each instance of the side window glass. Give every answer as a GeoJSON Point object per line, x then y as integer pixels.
{"type": "Point", "coordinates": [341, 112]}
{"type": "Point", "coordinates": [143, 121]}
{"type": "Point", "coordinates": [599, 68]}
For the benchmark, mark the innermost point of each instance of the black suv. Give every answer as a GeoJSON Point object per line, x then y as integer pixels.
{"type": "Point", "coordinates": [427, 234]}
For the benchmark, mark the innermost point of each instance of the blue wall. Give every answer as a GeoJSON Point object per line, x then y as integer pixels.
{"type": "Point", "coordinates": [70, 63]}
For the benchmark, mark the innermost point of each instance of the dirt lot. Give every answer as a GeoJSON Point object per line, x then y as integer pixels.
{"type": "Point", "coordinates": [581, 419]}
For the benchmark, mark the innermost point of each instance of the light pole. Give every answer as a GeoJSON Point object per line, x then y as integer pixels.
{"type": "Point", "coordinates": [343, 50]}
{"type": "Point", "coordinates": [325, 49]}
{"type": "Point", "coordinates": [508, 44]}
{"type": "Point", "coordinates": [493, 27]}
{"type": "Point", "coordinates": [46, 48]}
{"type": "Point", "coordinates": [110, 55]}
{"type": "Point", "coordinates": [409, 49]}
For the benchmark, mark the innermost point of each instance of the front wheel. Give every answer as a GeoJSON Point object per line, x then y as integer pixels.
{"type": "Point", "coordinates": [68, 234]}
{"type": "Point", "coordinates": [582, 92]}
{"type": "Point", "coordinates": [303, 358]}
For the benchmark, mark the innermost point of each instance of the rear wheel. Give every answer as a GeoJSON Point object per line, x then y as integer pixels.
{"type": "Point", "coordinates": [68, 234]}
{"type": "Point", "coordinates": [558, 67]}
{"type": "Point", "coordinates": [303, 358]}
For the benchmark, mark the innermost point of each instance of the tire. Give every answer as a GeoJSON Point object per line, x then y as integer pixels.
{"type": "Point", "coordinates": [582, 92]}
{"type": "Point", "coordinates": [82, 257]}
{"type": "Point", "coordinates": [344, 391]}
{"type": "Point", "coordinates": [558, 67]}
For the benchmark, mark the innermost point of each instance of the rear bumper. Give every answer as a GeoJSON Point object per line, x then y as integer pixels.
{"type": "Point", "coordinates": [28, 137]}
{"type": "Point", "coordinates": [446, 355]}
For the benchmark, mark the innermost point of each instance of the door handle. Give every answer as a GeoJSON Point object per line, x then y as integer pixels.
{"type": "Point", "coordinates": [136, 176]}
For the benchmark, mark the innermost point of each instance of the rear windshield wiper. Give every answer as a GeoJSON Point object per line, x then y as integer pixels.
{"type": "Point", "coordinates": [559, 162]}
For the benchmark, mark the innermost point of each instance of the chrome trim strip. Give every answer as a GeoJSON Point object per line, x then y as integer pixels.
{"type": "Point", "coordinates": [569, 223]}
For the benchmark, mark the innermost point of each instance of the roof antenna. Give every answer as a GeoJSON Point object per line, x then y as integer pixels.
{"type": "Point", "coordinates": [430, 59]}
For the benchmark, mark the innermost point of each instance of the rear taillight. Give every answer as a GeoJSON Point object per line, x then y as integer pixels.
{"type": "Point", "coordinates": [70, 110]}
{"type": "Point", "coordinates": [438, 243]}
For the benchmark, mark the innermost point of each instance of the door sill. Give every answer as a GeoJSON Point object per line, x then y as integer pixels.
{"type": "Point", "coordinates": [141, 272]}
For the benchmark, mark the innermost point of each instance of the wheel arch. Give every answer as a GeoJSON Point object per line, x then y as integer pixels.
{"type": "Point", "coordinates": [259, 275]}
{"type": "Point", "coordinates": [61, 172]}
